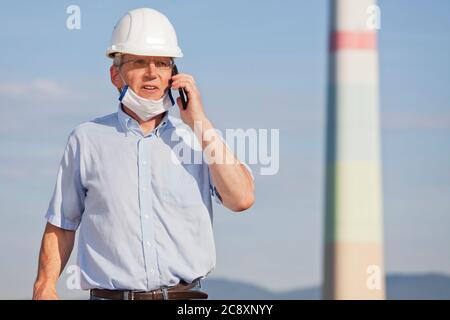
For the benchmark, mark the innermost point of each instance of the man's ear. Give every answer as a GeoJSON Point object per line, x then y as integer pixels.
{"type": "Point", "coordinates": [115, 77]}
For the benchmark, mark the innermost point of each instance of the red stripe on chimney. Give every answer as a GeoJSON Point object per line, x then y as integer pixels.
{"type": "Point", "coordinates": [348, 40]}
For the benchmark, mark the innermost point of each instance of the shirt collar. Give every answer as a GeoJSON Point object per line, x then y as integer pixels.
{"type": "Point", "coordinates": [131, 125]}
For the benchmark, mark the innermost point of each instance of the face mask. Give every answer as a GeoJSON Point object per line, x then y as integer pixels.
{"type": "Point", "coordinates": [145, 109]}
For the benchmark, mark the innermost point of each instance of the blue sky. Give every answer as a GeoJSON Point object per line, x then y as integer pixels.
{"type": "Point", "coordinates": [259, 64]}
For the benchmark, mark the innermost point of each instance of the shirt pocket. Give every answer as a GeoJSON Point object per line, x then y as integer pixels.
{"type": "Point", "coordinates": [182, 185]}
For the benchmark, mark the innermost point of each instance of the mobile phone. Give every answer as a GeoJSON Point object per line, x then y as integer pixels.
{"type": "Point", "coordinates": [183, 95]}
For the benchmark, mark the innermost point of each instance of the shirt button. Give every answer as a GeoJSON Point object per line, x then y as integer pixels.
{"type": "Point", "coordinates": [144, 162]}
{"type": "Point", "coordinates": [152, 270]}
{"type": "Point", "coordinates": [149, 244]}
{"type": "Point", "coordinates": [144, 189]}
{"type": "Point", "coordinates": [146, 216]}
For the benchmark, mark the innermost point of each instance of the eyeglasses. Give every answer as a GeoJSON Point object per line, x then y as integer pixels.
{"type": "Point", "coordinates": [143, 63]}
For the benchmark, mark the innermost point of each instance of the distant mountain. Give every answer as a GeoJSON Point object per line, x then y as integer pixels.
{"type": "Point", "coordinates": [228, 289]}
{"type": "Point", "coordinates": [399, 287]}
{"type": "Point", "coordinates": [422, 286]}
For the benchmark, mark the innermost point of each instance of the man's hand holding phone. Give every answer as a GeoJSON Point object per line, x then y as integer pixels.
{"type": "Point", "coordinates": [194, 109]}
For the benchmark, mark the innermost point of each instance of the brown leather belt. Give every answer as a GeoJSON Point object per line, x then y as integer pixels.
{"type": "Point", "coordinates": [179, 292]}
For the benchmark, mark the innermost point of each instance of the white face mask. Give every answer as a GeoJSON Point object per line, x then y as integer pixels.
{"type": "Point", "coordinates": [145, 109]}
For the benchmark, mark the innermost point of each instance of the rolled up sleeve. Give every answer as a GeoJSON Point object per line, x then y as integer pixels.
{"type": "Point", "coordinates": [67, 203]}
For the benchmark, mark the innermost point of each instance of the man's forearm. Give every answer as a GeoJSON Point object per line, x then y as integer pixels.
{"type": "Point", "coordinates": [57, 244]}
{"type": "Point", "coordinates": [231, 178]}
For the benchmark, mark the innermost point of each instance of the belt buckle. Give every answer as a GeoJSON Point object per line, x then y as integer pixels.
{"type": "Point", "coordinates": [165, 294]}
{"type": "Point", "coordinates": [128, 295]}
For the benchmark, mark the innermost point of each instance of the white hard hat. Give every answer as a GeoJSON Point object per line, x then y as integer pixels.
{"type": "Point", "coordinates": [144, 32]}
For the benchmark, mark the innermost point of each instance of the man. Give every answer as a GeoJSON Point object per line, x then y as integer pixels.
{"type": "Point", "coordinates": [144, 212]}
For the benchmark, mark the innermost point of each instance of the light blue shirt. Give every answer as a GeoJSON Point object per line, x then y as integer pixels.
{"type": "Point", "coordinates": [144, 214]}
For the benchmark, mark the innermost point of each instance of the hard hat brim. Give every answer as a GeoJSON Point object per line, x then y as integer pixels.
{"type": "Point", "coordinates": [153, 51]}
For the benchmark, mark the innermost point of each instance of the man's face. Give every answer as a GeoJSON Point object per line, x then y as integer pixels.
{"type": "Point", "coordinates": [147, 76]}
